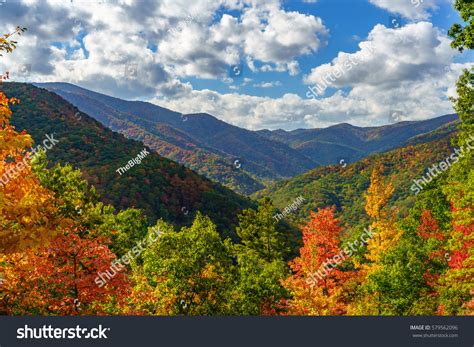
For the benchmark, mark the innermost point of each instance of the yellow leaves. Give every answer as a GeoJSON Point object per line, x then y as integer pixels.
{"type": "Point", "coordinates": [27, 213]}
{"type": "Point", "coordinates": [377, 194]}
{"type": "Point", "coordinates": [386, 234]}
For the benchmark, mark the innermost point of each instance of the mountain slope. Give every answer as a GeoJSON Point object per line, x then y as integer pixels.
{"type": "Point", "coordinates": [344, 186]}
{"type": "Point", "coordinates": [161, 187]}
{"type": "Point", "coordinates": [216, 145]}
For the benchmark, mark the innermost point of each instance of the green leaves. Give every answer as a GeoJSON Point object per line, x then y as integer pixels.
{"type": "Point", "coordinates": [463, 36]}
{"type": "Point", "coordinates": [191, 270]}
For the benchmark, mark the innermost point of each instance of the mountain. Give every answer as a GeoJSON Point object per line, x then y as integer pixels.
{"type": "Point", "coordinates": [344, 186]}
{"type": "Point", "coordinates": [351, 143]}
{"type": "Point", "coordinates": [243, 160]}
{"type": "Point", "coordinates": [236, 157]}
{"type": "Point", "coordinates": [159, 186]}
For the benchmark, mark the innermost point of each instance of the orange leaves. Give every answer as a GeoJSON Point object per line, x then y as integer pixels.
{"type": "Point", "coordinates": [429, 227]}
{"type": "Point", "coordinates": [317, 284]}
{"type": "Point", "coordinates": [60, 279]}
{"type": "Point", "coordinates": [27, 215]}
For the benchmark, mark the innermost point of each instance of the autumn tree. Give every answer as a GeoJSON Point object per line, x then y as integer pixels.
{"type": "Point", "coordinates": [376, 207]}
{"type": "Point", "coordinates": [385, 236]}
{"type": "Point", "coordinates": [27, 216]}
{"type": "Point", "coordinates": [317, 282]}
{"type": "Point", "coordinates": [61, 279]}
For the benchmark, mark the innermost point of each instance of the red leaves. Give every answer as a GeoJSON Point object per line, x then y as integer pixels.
{"type": "Point", "coordinates": [318, 283]}
{"type": "Point", "coordinates": [60, 279]}
{"type": "Point", "coordinates": [429, 227]}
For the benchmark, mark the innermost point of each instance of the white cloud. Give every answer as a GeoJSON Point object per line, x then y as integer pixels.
{"type": "Point", "coordinates": [390, 56]}
{"type": "Point", "coordinates": [93, 43]}
{"type": "Point", "coordinates": [267, 84]}
{"type": "Point", "coordinates": [264, 32]}
{"type": "Point", "coordinates": [411, 9]}
{"type": "Point", "coordinates": [410, 70]}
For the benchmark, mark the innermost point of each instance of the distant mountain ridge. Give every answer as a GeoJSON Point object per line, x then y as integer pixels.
{"type": "Point", "coordinates": [351, 143]}
{"type": "Point", "coordinates": [243, 160]}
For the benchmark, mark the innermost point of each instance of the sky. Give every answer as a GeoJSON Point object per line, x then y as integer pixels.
{"type": "Point", "coordinates": [271, 64]}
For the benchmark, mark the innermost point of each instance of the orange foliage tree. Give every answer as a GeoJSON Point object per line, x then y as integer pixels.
{"type": "Point", "coordinates": [27, 216]}
{"type": "Point", "coordinates": [61, 279]}
{"type": "Point", "coordinates": [317, 283]}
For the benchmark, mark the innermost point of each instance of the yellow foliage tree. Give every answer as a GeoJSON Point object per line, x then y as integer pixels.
{"type": "Point", "coordinates": [27, 215]}
{"type": "Point", "coordinates": [383, 220]}
{"type": "Point", "coordinates": [385, 236]}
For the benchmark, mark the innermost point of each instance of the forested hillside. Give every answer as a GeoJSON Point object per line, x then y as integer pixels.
{"type": "Point", "coordinates": [159, 186]}
{"type": "Point", "coordinates": [343, 186]}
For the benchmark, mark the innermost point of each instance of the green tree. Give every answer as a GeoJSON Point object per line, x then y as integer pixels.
{"type": "Point", "coordinates": [257, 231]}
{"type": "Point", "coordinates": [190, 271]}
{"type": "Point", "coordinates": [260, 262]}
{"type": "Point", "coordinates": [463, 35]}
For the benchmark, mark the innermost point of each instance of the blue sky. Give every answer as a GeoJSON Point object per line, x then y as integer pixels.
{"type": "Point", "coordinates": [179, 54]}
{"type": "Point", "coordinates": [349, 21]}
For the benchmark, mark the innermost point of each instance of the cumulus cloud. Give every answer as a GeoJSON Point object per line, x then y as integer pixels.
{"type": "Point", "coordinates": [139, 49]}
{"type": "Point", "coordinates": [264, 32]}
{"type": "Point", "coordinates": [267, 84]}
{"type": "Point", "coordinates": [411, 9]}
{"type": "Point", "coordinates": [409, 70]}
{"type": "Point", "coordinates": [388, 57]}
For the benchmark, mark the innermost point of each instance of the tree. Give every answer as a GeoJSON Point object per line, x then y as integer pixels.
{"type": "Point", "coordinates": [385, 237]}
{"type": "Point", "coordinates": [190, 271]}
{"type": "Point", "coordinates": [463, 36]}
{"type": "Point", "coordinates": [260, 262]}
{"type": "Point", "coordinates": [257, 231]}
{"type": "Point", "coordinates": [317, 283]}
{"type": "Point", "coordinates": [27, 215]}
{"type": "Point", "coordinates": [376, 207]}
{"type": "Point", "coordinates": [61, 279]}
